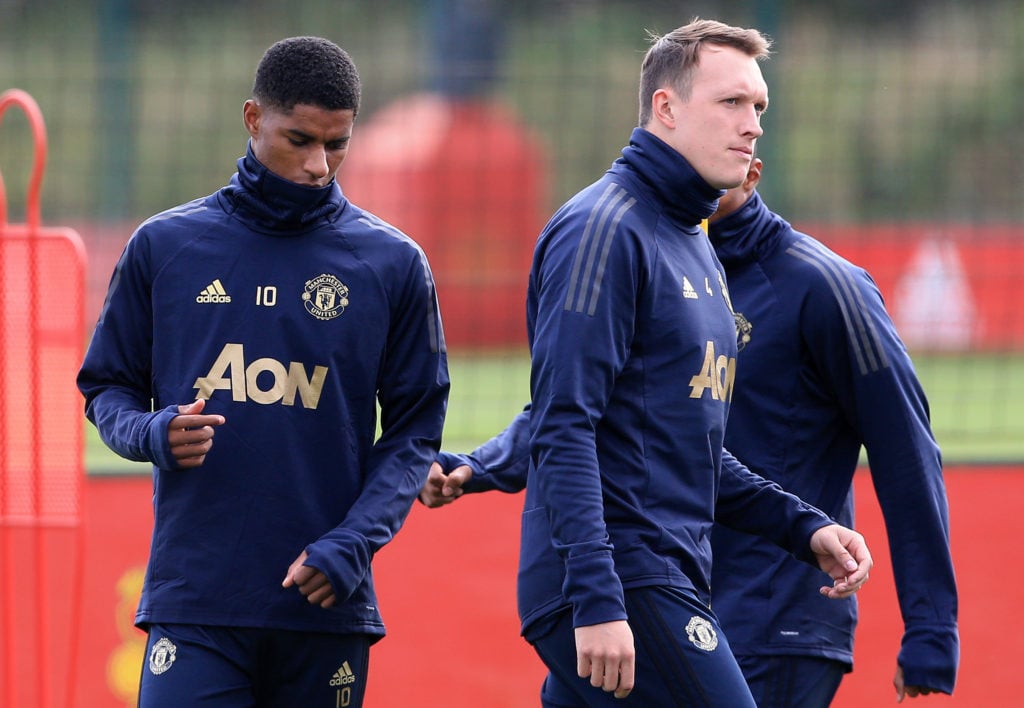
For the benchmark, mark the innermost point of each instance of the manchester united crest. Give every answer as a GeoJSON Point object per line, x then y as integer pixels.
{"type": "Point", "coordinates": [702, 634]}
{"type": "Point", "coordinates": [325, 297]}
{"type": "Point", "coordinates": [162, 655]}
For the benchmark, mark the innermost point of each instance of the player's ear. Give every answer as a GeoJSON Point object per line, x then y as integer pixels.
{"type": "Point", "coordinates": [753, 174]}
{"type": "Point", "coordinates": [251, 114]}
{"type": "Point", "coordinates": [661, 107]}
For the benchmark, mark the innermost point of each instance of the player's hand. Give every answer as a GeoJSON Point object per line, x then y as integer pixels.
{"type": "Point", "coordinates": [910, 691]}
{"type": "Point", "coordinates": [441, 488]}
{"type": "Point", "coordinates": [190, 433]}
{"type": "Point", "coordinates": [844, 555]}
{"type": "Point", "coordinates": [605, 653]}
{"type": "Point", "coordinates": [311, 582]}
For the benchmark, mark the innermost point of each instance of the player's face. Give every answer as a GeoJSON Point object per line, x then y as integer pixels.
{"type": "Point", "coordinates": [305, 145]}
{"type": "Point", "coordinates": [718, 126]}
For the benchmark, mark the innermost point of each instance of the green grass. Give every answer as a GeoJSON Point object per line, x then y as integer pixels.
{"type": "Point", "coordinates": [977, 406]}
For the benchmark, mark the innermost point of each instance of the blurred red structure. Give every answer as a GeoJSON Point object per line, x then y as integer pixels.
{"type": "Point", "coordinates": [465, 180]}
{"type": "Point", "coordinates": [42, 310]}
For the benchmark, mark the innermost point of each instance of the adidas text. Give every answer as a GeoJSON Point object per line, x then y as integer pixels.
{"type": "Point", "coordinates": [214, 292]}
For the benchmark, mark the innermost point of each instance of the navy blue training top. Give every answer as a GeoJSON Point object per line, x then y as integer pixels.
{"type": "Point", "coordinates": [294, 313]}
{"type": "Point", "coordinates": [634, 351]}
{"type": "Point", "coordinates": [822, 372]}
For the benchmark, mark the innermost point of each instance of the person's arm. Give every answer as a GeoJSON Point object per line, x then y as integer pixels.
{"type": "Point", "coordinates": [581, 322]}
{"type": "Point", "coordinates": [413, 392]}
{"type": "Point", "coordinates": [500, 464]}
{"type": "Point", "coordinates": [503, 462]}
{"type": "Point", "coordinates": [750, 503]}
{"type": "Point", "coordinates": [581, 333]}
{"type": "Point", "coordinates": [115, 377]}
{"type": "Point", "coordinates": [873, 379]}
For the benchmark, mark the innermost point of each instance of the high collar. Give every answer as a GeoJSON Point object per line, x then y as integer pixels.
{"type": "Point", "coordinates": [684, 193]}
{"type": "Point", "coordinates": [278, 204]}
{"type": "Point", "coordinates": [748, 233]}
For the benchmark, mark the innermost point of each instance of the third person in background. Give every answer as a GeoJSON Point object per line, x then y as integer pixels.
{"type": "Point", "coordinates": [822, 373]}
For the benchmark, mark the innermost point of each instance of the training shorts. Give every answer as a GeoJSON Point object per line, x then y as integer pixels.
{"type": "Point", "coordinates": [239, 667]}
{"type": "Point", "coordinates": [682, 658]}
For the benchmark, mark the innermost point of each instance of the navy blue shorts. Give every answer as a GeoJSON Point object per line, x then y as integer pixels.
{"type": "Point", "coordinates": [189, 665]}
{"type": "Point", "coordinates": [682, 658]}
{"type": "Point", "coordinates": [787, 681]}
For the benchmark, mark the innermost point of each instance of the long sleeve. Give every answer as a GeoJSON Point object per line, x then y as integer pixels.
{"type": "Point", "coordinates": [115, 374]}
{"type": "Point", "coordinates": [320, 344]}
{"type": "Point", "coordinates": [750, 503]}
{"type": "Point", "coordinates": [571, 388]}
{"type": "Point", "coordinates": [413, 392]}
{"type": "Point", "coordinates": [878, 389]}
{"type": "Point", "coordinates": [633, 350]}
{"type": "Point", "coordinates": [502, 463]}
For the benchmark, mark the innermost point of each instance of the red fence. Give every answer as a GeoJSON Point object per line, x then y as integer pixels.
{"type": "Point", "coordinates": [948, 287]}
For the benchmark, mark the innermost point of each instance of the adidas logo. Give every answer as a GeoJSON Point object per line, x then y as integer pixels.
{"type": "Point", "coordinates": [688, 292]}
{"type": "Point", "coordinates": [343, 676]}
{"type": "Point", "coordinates": [214, 292]}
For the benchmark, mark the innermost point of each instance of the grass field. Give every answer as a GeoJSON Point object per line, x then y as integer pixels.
{"type": "Point", "coordinates": [977, 406]}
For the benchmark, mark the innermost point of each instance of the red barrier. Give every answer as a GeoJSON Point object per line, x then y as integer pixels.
{"type": "Point", "coordinates": [42, 296]}
{"type": "Point", "coordinates": [984, 510]}
{"type": "Point", "coordinates": [447, 591]}
{"type": "Point", "coordinates": [949, 287]}
{"type": "Point", "coordinates": [118, 521]}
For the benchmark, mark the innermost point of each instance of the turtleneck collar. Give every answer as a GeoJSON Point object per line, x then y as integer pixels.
{"type": "Point", "coordinates": [278, 204]}
{"type": "Point", "coordinates": [685, 194]}
{"type": "Point", "coordinates": [747, 233]}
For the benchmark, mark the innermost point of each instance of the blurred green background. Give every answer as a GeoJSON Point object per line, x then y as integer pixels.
{"type": "Point", "coordinates": [881, 113]}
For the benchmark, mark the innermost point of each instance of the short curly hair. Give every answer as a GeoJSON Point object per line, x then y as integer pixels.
{"type": "Point", "coordinates": [307, 70]}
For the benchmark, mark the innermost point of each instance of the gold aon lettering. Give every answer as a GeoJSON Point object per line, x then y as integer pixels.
{"type": "Point", "coordinates": [230, 373]}
{"type": "Point", "coordinates": [716, 375]}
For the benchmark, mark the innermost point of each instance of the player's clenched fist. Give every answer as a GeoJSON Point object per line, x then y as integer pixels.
{"type": "Point", "coordinates": [190, 433]}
